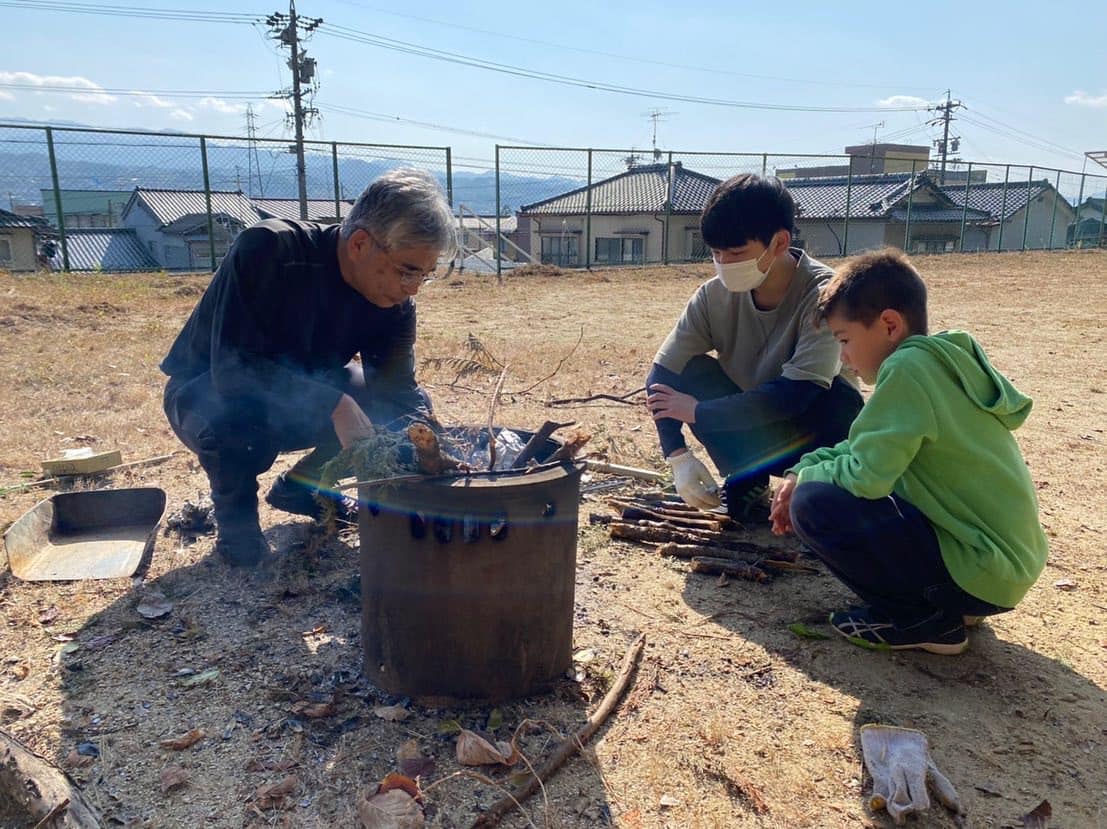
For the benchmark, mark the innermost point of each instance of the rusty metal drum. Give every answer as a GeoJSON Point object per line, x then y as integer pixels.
{"type": "Point", "coordinates": [467, 583]}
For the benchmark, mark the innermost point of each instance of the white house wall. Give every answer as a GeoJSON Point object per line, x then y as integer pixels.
{"type": "Point", "coordinates": [1037, 232]}
{"type": "Point", "coordinates": [22, 241]}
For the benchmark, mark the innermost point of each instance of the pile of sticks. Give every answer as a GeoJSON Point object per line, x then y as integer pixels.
{"type": "Point", "coordinates": [713, 543]}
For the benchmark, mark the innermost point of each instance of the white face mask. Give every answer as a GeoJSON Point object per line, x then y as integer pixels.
{"type": "Point", "coordinates": [741, 276]}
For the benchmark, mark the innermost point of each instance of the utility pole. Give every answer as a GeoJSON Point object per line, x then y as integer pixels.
{"type": "Point", "coordinates": [287, 29]}
{"type": "Point", "coordinates": [945, 144]}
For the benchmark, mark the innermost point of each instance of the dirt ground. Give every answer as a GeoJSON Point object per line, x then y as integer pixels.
{"type": "Point", "coordinates": [733, 720]}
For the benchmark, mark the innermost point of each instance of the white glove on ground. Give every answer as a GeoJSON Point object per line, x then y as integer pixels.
{"type": "Point", "coordinates": [693, 482]}
{"type": "Point", "coordinates": [899, 761]}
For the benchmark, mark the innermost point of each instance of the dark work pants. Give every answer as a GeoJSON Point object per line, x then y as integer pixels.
{"type": "Point", "coordinates": [748, 456]}
{"type": "Point", "coordinates": [886, 551]}
{"type": "Point", "coordinates": [236, 439]}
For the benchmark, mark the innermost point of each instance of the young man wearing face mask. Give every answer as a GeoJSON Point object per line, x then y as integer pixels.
{"type": "Point", "coordinates": [775, 389]}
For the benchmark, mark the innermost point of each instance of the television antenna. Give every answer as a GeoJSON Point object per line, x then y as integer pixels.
{"type": "Point", "coordinates": [655, 116]}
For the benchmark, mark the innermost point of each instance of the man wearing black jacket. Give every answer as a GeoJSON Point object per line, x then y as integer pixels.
{"type": "Point", "coordinates": [265, 364]}
{"type": "Point", "coordinates": [775, 388]}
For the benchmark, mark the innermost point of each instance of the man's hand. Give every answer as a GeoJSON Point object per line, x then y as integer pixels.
{"type": "Point", "coordinates": [780, 511]}
{"type": "Point", "coordinates": [665, 401]}
{"type": "Point", "coordinates": [694, 484]}
{"type": "Point", "coordinates": [350, 422]}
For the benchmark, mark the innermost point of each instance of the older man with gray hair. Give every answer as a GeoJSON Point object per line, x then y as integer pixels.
{"type": "Point", "coordinates": [265, 363]}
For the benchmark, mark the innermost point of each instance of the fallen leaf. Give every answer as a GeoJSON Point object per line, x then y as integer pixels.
{"type": "Point", "coordinates": [313, 710]}
{"type": "Point", "coordinates": [474, 750]}
{"type": "Point", "coordinates": [76, 760]}
{"type": "Point", "coordinates": [449, 727]}
{"type": "Point", "coordinates": [585, 656]}
{"type": "Point", "coordinates": [392, 780]}
{"type": "Point", "coordinates": [392, 713]}
{"type": "Point", "coordinates": [392, 809]}
{"type": "Point", "coordinates": [668, 801]}
{"type": "Point", "coordinates": [1038, 817]}
{"type": "Point", "coordinates": [97, 643]}
{"type": "Point", "coordinates": [20, 671]}
{"type": "Point", "coordinates": [495, 719]}
{"type": "Point", "coordinates": [411, 760]}
{"type": "Point", "coordinates": [172, 777]}
{"type": "Point", "coordinates": [1064, 584]}
{"type": "Point", "coordinates": [202, 678]}
{"type": "Point", "coordinates": [48, 615]}
{"type": "Point", "coordinates": [315, 631]}
{"type": "Point", "coordinates": [186, 740]}
{"type": "Point", "coordinates": [802, 630]}
{"type": "Point", "coordinates": [154, 605]}
{"type": "Point", "coordinates": [273, 795]}
{"type": "Point", "coordinates": [723, 580]}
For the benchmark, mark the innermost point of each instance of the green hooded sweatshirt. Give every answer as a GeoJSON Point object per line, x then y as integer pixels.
{"type": "Point", "coordinates": [937, 432]}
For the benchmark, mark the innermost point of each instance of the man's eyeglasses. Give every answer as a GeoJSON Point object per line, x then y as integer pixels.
{"type": "Point", "coordinates": [410, 275]}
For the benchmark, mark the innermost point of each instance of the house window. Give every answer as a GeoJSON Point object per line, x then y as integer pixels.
{"type": "Point", "coordinates": [933, 245]}
{"type": "Point", "coordinates": [5, 250]}
{"type": "Point", "coordinates": [620, 251]}
{"type": "Point", "coordinates": [562, 250]}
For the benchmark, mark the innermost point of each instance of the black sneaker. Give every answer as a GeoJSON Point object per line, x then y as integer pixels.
{"type": "Point", "coordinates": [866, 628]}
{"type": "Point", "coordinates": [747, 504]}
{"type": "Point", "coordinates": [290, 495]}
{"type": "Point", "coordinates": [241, 545]}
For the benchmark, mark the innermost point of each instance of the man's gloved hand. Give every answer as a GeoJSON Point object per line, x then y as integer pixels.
{"type": "Point", "coordinates": [899, 761]}
{"type": "Point", "coordinates": [693, 482]}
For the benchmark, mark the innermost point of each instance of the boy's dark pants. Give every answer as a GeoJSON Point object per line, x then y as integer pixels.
{"type": "Point", "coordinates": [748, 456]}
{"type": "Point", "coordinates": [237, 438]}
{"type": "Point", "coordinates": [886, 551]}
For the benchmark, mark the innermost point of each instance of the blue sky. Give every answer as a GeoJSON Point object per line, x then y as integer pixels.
{"type": "Point", "coordinates": [1034, 84]}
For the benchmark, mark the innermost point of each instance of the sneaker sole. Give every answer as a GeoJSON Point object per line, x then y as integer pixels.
{"type": "Point", "coordinates": [940, 648]}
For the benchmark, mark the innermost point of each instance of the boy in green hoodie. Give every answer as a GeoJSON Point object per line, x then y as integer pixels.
{"type": "Point", "coordinates": [926, 510]}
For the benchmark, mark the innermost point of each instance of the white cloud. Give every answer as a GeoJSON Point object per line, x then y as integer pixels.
{"type": "Point", "coordinates": [180, 115]}
{"type": "Point", "coordinates": [6, 96]}
{"type": "Point", "coordinates": [95, 95]}
{"type": "Point", "coordinates": [221, 106]}
{"type": "Point", "coordinates": [1083, 99]}
{"type": "Point", "coordinates": [149, 99]}
{"type": "Point", "coordinates": [903, 101]}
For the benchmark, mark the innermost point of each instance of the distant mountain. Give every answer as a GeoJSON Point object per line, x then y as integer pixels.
{"type": "Point", "coordinates": [108, 161]}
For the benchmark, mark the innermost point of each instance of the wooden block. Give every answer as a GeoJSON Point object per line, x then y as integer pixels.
{"type": "Point", "coordinates": [83, 463]}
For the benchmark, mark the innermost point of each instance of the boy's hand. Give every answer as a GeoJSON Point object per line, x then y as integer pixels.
{"type": "Point", "coordinates": [780, 511]}
{"type": "Point", "coordinates": [665, 401]}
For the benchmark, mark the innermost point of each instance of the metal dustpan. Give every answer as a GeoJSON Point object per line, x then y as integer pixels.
{"type": "Point", "coordinates": [99, 534]}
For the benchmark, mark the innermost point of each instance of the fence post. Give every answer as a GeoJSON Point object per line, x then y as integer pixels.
{"type": "Point", "coordinates": [1026, 218]}
{"type": "Point", "coordinates": [668, 209]}
{"type": "Point", "coordinates": [57, 198]}
{"type": "Point", "coordinates": [1102, 221]}
{"type": "Point", "coordinates": [849, 198]}
{"type": "Point", "coordinates": [588, 216]}
{"type": "Point", "coordinates": [764, 164]}
{"type": "Point", "coordinates": [450, 181]}
{"type": "Point", "coordinates": [1076, 225]}
{"type": "Point", "coordinates": [337, 186]}
{"type": "Point", "coordinates": [207, 199]}
{"type": "Point", "coordinates": [1053, 219]}
{"type": "Point", "coordinates": [1003, 208]}
{"type": "Point", "coordinates": [910, 201]}
{"type": "Point", "coordinates": [499, 263]}
{"type": "Point", "coordinates": [965, 208]}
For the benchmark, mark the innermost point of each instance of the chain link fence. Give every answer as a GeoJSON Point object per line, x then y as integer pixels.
{"type": "Point", "coordinates": [602, 207]}
{"type": "Point", "coordinates": [109, 200]}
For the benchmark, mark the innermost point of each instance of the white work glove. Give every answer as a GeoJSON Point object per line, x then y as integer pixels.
{"type": "Point", "coordinates": [899, 761]}
{"type": "Point", "coordinates": [693, 482]}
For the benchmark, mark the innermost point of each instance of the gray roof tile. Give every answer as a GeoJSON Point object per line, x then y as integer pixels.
{"type": "Point", "coordinates": [14, 220]}
{"type": "Point", "coordinates": [167, 206]}
{"type": "Point", "coordinates": [639, 190]}
{"type": "Point", "coordinates": [318, 209]}
{"type": "Point", "coordinates": [989, 196]}
{"type": "Point", "coordinates": [104, 249]}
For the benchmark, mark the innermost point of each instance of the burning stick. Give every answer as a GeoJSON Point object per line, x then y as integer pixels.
{"type": "Point", "coordinates": [428, 453]}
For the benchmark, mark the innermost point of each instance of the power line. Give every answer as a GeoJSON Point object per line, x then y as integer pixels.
{"type": "Point", "coordinates": [378, 116]}
{"type": "Point", "coordinates": [109, 10]}
{"type": "Point", "coordinates": [346, 33]}
{"type": "Point", "coordinates": [618, 56]}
